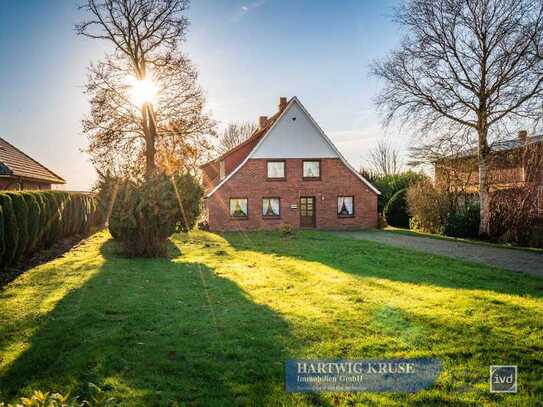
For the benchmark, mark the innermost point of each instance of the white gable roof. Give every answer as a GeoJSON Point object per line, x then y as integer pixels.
{"type": "Point", "coordinates": [294, 136]}
{"type": "Point", "coordinates": [299, 138]}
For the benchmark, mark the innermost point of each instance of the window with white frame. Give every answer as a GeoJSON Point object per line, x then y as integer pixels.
{"type": "Point", "coordinates": [271, 207]}
{"type": "Point", "coordinates": [345, 206]}
{"type": "Point", "coordinates": [311, 169]}
{"type": "Point", "coordinates": [276, 170]}
{"type": "Point", "coordinates": [238, 208]}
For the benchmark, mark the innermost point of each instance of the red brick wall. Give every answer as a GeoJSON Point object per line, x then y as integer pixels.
{"type": "Point", "coordinates": [210, 172]}
{"type": "Point", "coordinates": [250, 181]}
{"type": "Point", "coordinates": [10, 184]}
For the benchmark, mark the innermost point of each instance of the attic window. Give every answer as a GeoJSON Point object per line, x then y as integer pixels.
{"type": "Point", "coordinates": [276, 170]}
{"type": "Point", "coordinates": [311, 169]}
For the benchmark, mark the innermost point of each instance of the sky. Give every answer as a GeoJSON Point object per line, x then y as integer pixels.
{"type": "Point", "coordinates": [248, 53]}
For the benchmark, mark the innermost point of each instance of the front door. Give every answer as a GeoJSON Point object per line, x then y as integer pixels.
{"type": "Point", "coordinates": [307, 212]}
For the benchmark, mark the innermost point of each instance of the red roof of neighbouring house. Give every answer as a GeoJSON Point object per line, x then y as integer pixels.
{"type": "Point", "coordinates": [236, 155]}
{"type": "Point", "coordinates": [15, 163]}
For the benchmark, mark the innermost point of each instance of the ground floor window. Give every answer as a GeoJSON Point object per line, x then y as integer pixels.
{"type": "Point", "coordinates": [271, 207]}
{"type": "Point", "coordinates": [238, 207]}
{"type": "Point", "coordinates": [345, 206]}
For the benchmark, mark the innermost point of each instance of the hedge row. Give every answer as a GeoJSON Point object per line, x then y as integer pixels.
{"type": "Point", "coordinates": [33, 220]}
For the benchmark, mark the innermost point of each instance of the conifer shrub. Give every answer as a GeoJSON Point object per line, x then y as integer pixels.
{"type": "Point", "coordinates": [11, 230]}
{"type": "Point", "coordinates": [33, 219]}
{"type": "Point", "coordinates": [147, 212]}
{"type": "Point", "coordinates": [21, 215]}
{"type": "Point", "coordinates": [396, 212]}
{"type": "Point", "coordinates": [1, 235]}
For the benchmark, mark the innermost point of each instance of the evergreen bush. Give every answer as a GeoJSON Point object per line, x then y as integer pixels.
{"type": "Point", "coordinates": [464, 222]}
{"type": "Point", "coordinates": [11, 229]}
{"type": "Point", "coordinates": [147, 212]}
{"type": "Point", "coordinates": [396, 213]}
{"type": "Point", "coordinates": [34, 217]}
{"type": "Point", "coordinates": [1, 236]}
{"type": "Point", "coordinates": [21, 215]}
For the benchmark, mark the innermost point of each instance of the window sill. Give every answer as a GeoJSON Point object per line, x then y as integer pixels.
{"type": "Point", "coordinates": [239, 217]}
{"type": "Point", "coordinates": [276, 179]}
{"type": "Point", "coordinates": [271, 217]}
{"type": "Point", "coordinates": [311, 178]}
{"type": "Point", "coordinates": [345, 216]}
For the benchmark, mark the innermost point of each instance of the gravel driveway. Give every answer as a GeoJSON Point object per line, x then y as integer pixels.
{"type": "Point", "coordinates": [510, 259]}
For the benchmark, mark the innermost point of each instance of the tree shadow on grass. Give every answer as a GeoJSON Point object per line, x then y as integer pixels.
{"type": "Point", "coordinates": [370, 259]}
{"type": "Point", "coordinates": [156, 332]}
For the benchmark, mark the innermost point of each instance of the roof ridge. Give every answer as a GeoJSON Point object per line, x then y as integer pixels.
{"type": "Point", "coordinates": [32, 159]}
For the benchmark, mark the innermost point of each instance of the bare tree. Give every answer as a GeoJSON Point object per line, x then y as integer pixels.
{"type": "Point", "coordinates": [145, 35]}
{"type": "Point", "coordinates": [384, 159]}
{"type": "Point", "coordinates": [117, 133]}
{"type": "Point", "coordinates": [452, 157]}
{"type": "Point", "coordinates": [235, 134]}
{"type": "Point", "coordinates": [465, 65]}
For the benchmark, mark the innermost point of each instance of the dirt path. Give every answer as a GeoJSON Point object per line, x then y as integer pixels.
{"type": "Point", "coordinates": [510, 259]}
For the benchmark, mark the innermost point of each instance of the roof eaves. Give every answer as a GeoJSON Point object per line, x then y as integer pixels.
{"type": "Point", "coordinates": [256, 134]}
{"type": "Point", "coordinates": [60, 180]}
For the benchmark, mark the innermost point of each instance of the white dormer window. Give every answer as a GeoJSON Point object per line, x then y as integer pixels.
{"type": "Point", "coordinates": [222, 171]}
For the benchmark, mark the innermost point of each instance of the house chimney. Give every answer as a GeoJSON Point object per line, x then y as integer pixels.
{"type": "Point", "coordinates": [262, 121]}
{"type": "Point", "coordinates": [522, 136]}
{"type": "Point", "coordinates": [282, 103]}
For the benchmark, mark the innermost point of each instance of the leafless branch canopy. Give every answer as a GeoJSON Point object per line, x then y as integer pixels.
{"type": "Point", "coordinates": [385, 159]}
{"type": "Point", "coordinates": [464, 63]}
{"type": "Point", "coordinates": [139, 29]}
{"type": "Point", "coordinates": [234, 134]}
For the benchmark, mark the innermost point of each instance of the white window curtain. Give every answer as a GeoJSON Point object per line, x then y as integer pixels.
{"type": "Point", "coordinates": [270, 207]}
{"type": "Point", "coordinates": [345, 205]}
{"type": "Point", "coordinates": [311, 169]}
{"type": "Point", "coordinates": [238, 208]}
{"type": "Point", "coordinates": [276, 169]}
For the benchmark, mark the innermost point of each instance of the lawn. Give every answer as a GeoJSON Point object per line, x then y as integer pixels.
{"type": "Point", "coordinates": [213, 324]}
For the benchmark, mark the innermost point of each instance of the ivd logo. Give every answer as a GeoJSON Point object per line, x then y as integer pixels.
{"type": "Point", "coordinates": [503, 379]}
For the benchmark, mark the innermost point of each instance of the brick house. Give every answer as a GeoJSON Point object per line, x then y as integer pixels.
{"type": "Point", "coordinates": [511, 166]}
{"type": "Point", "coordinates": [19, 171]}
{"type": "Point", "coordinates": [287, 172]}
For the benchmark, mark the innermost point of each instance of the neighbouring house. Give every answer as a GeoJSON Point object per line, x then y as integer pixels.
{"type": "Point", "coordinates": [514, 163]}
{"type": "Point", "coordinates": [18, 171]}
{"type": "Point", "coordinates": [287, 172]}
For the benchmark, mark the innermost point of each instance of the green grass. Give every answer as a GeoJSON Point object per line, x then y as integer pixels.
{"type": "Point", "coordinates": [213, 324]}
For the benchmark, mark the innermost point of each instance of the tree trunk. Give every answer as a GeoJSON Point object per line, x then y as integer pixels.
{"type": "Point", "coordinates": [484, 187]}
{"type": "Point", "coordinates": [150, 139]}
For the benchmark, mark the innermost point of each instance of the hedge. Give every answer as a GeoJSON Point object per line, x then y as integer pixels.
{"type": "Point", "coordinates": [32, 220]}
{"type": "Point", "coordinates": [11, 230]}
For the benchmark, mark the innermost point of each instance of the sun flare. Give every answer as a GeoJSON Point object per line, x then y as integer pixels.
{"type": "Point", "coordinates": [142, 91]}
